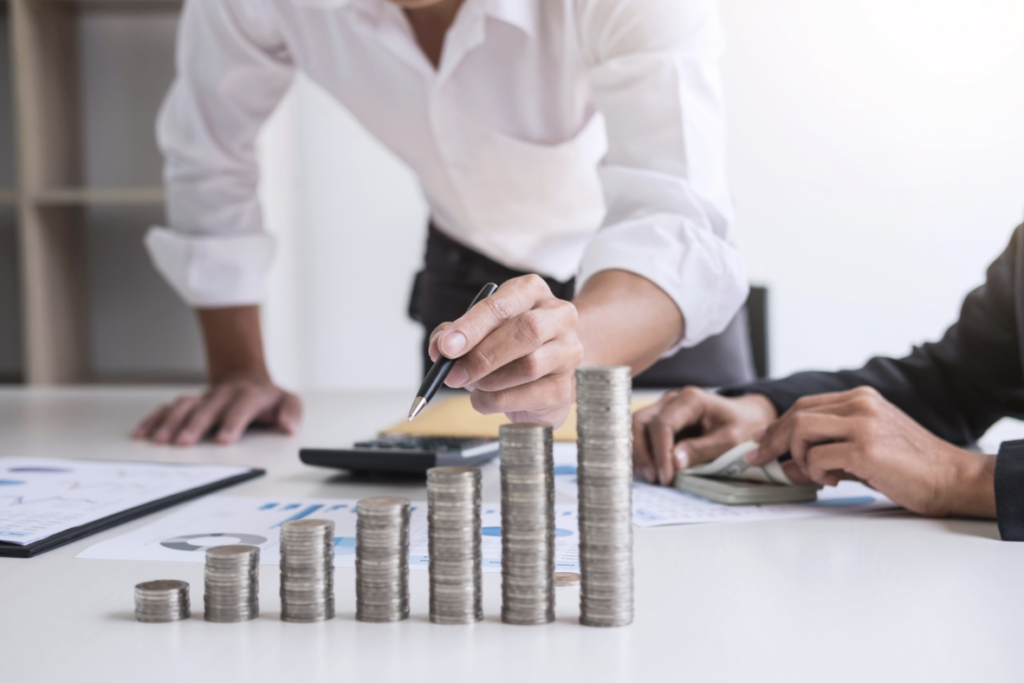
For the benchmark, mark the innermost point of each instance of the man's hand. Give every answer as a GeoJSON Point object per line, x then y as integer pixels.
{"type": "Point", "coordinates": [721, 422]}
{"type": "Point", "coordinates": [241, 391]}
{"type": "Point", "coordinates": [225, 411]}
{"type": "Point", "coordinates": [858, 434]}
{"type": "Point", "coordinates": [517, 352]}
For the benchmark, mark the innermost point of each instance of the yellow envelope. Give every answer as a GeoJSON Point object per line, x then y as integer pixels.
{"type": "Point", "coordinates": [455, 417]}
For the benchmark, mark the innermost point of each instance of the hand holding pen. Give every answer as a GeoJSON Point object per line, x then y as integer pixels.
{"type": "Point", "coordinates": [515, 350]}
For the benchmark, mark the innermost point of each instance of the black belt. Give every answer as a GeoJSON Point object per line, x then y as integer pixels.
{"type": "Point", "coordinates": [454, 273]}
{"type": "Point", "coordinates": [455, 270]}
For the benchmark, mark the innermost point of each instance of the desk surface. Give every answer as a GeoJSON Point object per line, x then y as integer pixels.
{"type": "Point", "coordinates": [851, 598]}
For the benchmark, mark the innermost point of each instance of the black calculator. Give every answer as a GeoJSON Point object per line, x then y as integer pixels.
{"type": "Point", "coordinates": [404, 453]}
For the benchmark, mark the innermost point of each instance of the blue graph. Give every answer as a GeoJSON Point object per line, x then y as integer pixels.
{"type": "Point", "coordinates": [344, 545]}
{"type": "Point", "coordinates": [299, 515]}
{"type": "Point", "coordinates": [45, 470]}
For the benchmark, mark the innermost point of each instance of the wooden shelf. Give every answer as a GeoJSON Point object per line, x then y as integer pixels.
{"type": "Point", "coordinates": [98, 196]}
{"type": "Point", "coordinates": [48, 93]}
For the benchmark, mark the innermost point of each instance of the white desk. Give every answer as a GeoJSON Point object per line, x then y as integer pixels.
{"type": "Point", "coordinates": [845, 599]}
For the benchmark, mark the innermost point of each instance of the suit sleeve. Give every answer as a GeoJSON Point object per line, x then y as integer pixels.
{"type": "Point", "coordinates": [957, 387]}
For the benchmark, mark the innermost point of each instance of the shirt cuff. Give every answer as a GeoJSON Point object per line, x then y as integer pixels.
{"type": "Point", "coordinates": [700, 271]}
{"type": "Point", "coordinates": [212, 271]}
{"type": "Point", "coordinates": [1010, 490]}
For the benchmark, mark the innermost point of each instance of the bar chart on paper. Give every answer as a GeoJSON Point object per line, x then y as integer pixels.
{"type": "Point", "coordinates": [41, 497]}
{"type": "Point", "coordinates": [183, 536]}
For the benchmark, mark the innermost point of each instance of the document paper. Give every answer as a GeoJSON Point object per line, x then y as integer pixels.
{"type": "Point", "coordinates": [183, 536]}
{"type": "Point", "coordinates": [41, 497]}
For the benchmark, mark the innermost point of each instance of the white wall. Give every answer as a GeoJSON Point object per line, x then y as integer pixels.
{"type": "Point", "coordinates": [877, 163]}
{"type": "Point", "coordinates": [278, 152]}
{"type": "Point", "coordinates": [336, 315]}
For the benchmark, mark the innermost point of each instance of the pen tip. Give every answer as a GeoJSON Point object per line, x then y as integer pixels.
{"type": "Point", "coordinates": [417, 407]}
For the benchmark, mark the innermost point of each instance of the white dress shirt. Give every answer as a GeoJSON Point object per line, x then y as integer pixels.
{"type": "Point", "coordinates": [563, 137]}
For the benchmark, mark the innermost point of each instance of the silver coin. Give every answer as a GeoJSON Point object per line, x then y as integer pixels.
{"type": "Point", "coordinates": [382, 559]}
{"type": "Point", "coordinates": [231, 581]}
{"type": "Point", "coordinates": [307, 570]}
{"type": "Point", "coordinates": [604, 476]}
{"type": "Point", "coordinates": [454, 544]}
{"type": "Point", "coordinates": [527, 521]}
{"type": "Point", "coordinates": [162, 601]}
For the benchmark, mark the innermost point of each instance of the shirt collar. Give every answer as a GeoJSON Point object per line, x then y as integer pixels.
{"type": "Point", "coordinates": [519, 13]}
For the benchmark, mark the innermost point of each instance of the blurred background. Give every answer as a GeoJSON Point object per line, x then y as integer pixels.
{"type": "Point", "coordinates": [876, 161]}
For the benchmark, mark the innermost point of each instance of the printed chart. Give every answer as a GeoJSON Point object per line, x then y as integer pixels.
{"type": "Point", "coordinates": [40, 497]}
{"type": "Point", "coordinates": [222, 520]}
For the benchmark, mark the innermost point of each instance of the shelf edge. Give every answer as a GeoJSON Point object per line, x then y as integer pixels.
{"type": "Point", "coordinates": [93, 196]}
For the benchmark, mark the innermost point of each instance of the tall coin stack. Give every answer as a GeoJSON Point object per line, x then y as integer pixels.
{"type": "Point", "coordinates": [527, 524]}
{"type": "Point", "coordinates": [382, 559]}
{"type": "Point", "coordinates": [453, 516]}
{"type": "Point", "coordinates": [232, 583]}
{"type": "Point", "coordinates": [307, 570]}
{"type": "Point", "coordinates": [159, 601]}
{"type": "Point", "coordinates": [605, 475]}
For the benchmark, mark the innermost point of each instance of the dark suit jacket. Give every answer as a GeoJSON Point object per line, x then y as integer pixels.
{"type": "Point", "coordinates": [957, 387]}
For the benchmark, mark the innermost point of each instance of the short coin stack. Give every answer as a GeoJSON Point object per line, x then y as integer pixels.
{"type": "Point", "coordinates": [605, 474]}
{"type": "Point", "coordinates": [453, 516]}
{"type": "Point", "coordinates": [527, 524]}
{"type": "Point", "coordinates": [382, 559]}
{"type": "Point", "coordinates": [160, 601]}
{"type": "Point", "coordinates": [307, 570]}
{"type": "Point", "coordinates": [232, 583]}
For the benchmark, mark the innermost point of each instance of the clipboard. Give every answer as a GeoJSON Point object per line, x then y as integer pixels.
{"type": "Point", "coordinates": [120, 517]}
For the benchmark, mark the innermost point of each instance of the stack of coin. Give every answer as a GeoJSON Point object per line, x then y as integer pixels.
{"type": "Point", "coordinates": [232, 583]}
{"type": "Point", "coordinates": [158, 601]}
{"type": "Point", "coordinates": [307, 570]}
{"type": "Point", "coordinates": [382, 559]}
{"type": "Point", "coordinates": [527, 524]}
{"type": "Point", "coordinates": [453, 516]}
{"type": "Point", "coordinates": [605, 474]}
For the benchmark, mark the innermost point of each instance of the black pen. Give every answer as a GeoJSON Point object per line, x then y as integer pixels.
{"type": "Point", "coordinates": [442, 366]}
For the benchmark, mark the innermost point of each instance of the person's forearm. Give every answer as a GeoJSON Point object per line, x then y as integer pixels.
{"type": "Point", "coordinates": [234, 343]}
{"type": "Point", "coordinates": [973, 492]}
{"type": "Point", "coordinates": [625, 319]}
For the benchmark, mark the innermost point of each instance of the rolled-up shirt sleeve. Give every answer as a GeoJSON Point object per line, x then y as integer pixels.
{"type": "Point", "coordinates": [232, 71]}
{"type": "Point", "coordinates": [655, 78]}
